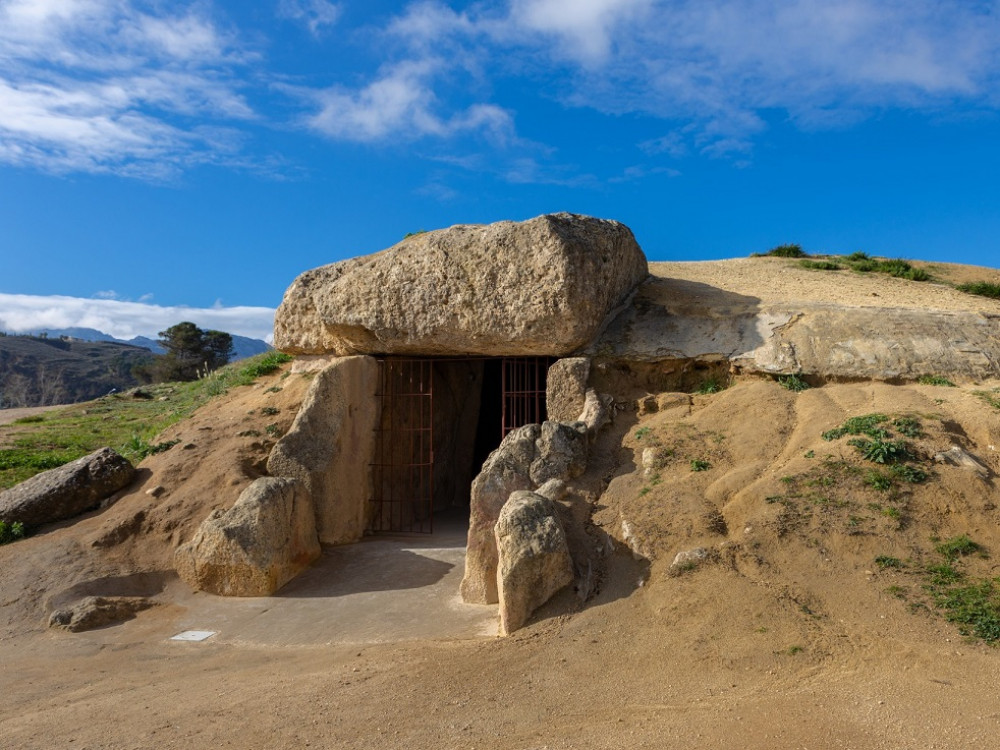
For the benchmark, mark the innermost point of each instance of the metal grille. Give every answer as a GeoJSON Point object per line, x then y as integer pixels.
{"type": "Point", "coordinates": [523, 383]}
{"type": "Point", "coordinates": [403, 469]}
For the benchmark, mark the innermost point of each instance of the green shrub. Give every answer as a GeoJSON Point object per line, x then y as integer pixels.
{"type": "Point", "coordinates": [793, 383]}
{"type": "Point", "coordinates": [975, 608]}
{"type": "Point", "coordinates": [709, 386]}
{"type": "Point", "coordinates": [11, 532]}
{"type": "Point", "coordinates": [907, 473]}
{"type": "Point", "coordinates": [884, 561]}
{"type": "Point", "coordinates": [820, 265]}
{"type": "Point", "coordinates": [264, 366]}
{"type": "Point", "coordinates": [878, 481]}
{"type": "Point", "coordinates": [698, 465]}
{"type": "Point", "coordinates": [935, 380]}
{"type": "Point", "coordinates": [959, 546]}
{"type": "Point", "coordinates": [981, 288]}
{"type": "Point", "coordinates": [881, 451]}
{"type": "Point", "coordinates": [867, 424]}
{"type": "Point", "coordinates": [32, 419]}
{"type": "Point", "coordinates": [908, 426]}
{"type": "Point", "coordinates": [790, 250]}
{"type": "Point", "coordinates": [857, 257]}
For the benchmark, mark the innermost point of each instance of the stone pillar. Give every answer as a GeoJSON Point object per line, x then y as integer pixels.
{"type": "Point", "coordinates": [330, 445]}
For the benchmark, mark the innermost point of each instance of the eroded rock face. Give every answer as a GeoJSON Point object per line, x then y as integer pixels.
{"type": "Point", "coordinates": [566, 388]}
{"type": "Point", "coordinates": [534, 560]}
{"type": "Point", "coordinates": [66, 491]}
{"type": "Point", "coordinates": [538, 287]}
{"type": "Point", "coordinates": [529, 457]}
{"type": "Point", "coordinates": [254, 548]}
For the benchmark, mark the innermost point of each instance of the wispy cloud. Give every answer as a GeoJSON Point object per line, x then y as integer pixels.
{"type": "Point", "coordinates": [315, 14]}
{"type": "Point", "coordinates": [101, 86]}
{"type": "Point", "coordinates": [125, 320]}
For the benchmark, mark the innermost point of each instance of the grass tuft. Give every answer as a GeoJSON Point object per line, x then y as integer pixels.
{"type": "Point", "coordinates": [981, 289]}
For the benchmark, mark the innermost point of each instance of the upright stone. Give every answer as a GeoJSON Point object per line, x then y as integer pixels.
{"type": "Point", "coordinates": [538, 287]}
{"type": "Point", "coordinates": [534, 559]}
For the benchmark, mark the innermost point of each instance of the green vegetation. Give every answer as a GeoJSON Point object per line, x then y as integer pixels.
{"type": "Point", "coordinates": [820, 265]}
{"type": "Point", "coordinates": [884, 561]}
{"type": "Point", "coordinates": [709, 385]}
{"type": "Point", "coordinates": [191, 353]}
{"type": "Point", "coordinates": [11, 532]}
{"type": "Point", "coordinates": [699, 465]}
{"type": "Point", "coordinates": [981, 288]}
{"type": "Point", "coordinates": [990, 397]}
{"type": "Point", "coordinates": [935, 380]}
{"type": "Point", "coordinates": [881, 451]}
{"type": "Point", "coordinates": [126, 423]}
{"type": "Point", "coordinates": [959, 546]}
{"type": "Point", "coordinates": [790, 250]}
{"type": "Point", "coordinates": [641, 433]}
{"type": "Point", "coordinates": [864, 425]}
{"type": "Point", "coordinates": [793, 383]}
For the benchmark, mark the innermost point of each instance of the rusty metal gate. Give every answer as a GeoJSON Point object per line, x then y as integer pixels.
{"type": "Point", "coordinates": [403, 466]}
{"type": "Point", "coordinates": [523, 384]}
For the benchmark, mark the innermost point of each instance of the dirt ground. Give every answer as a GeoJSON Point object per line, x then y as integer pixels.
{"type": "Point", "coordinates": [787, 634]}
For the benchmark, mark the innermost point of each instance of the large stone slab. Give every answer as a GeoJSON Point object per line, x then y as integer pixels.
{"type": "Point", "coordinates": [66, 491]}
{"type": "Point", "coordinates": [538, 287]}
{"type": "Point", "coordinates": [254, 548]}
{"type": "Point", "coordinates": [330, 445]}
{"type": "Point", "coordinates": [534, 560]}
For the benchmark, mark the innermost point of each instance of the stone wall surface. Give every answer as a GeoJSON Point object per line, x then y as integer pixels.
{"type": "Point", "coordinates": [330, 446]}
{"type": "Point", "coordinates": [671, 320]}
{"type": "Point", "coordinates": [538, 287]}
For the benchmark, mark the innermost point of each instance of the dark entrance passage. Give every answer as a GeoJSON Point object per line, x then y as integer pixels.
{"type": "Point", "coordinates": [440, 419]}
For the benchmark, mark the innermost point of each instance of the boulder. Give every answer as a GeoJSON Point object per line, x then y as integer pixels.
{"type": "Point", "coordinates": [534, 560]}
{"type": "Point", "coordinates": [533, 456]}
{"type": "Point", "coordinates": [505, 471]}
{"type": "Point", "coordinates": [566, 388]}
{"type": "Point", "coordinates": [533, 288]}
{"type": "Point", "coordinates": [254, 548]}
{"type": "Point", "coordinates": [66, 491]}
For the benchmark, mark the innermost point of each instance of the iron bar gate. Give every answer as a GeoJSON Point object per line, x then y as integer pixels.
{"type": "Point", "coordinates": [403, 465]}
{"type": "Point", "coordinates": [523, 385]}
{"type": "Point", "coordinates": [403, 468]}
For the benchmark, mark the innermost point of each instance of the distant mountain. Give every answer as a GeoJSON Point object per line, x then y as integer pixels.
{"type": "Point", "coordinates": [243, 346]}
{"type": "Point", "coordinates": [37, 371]}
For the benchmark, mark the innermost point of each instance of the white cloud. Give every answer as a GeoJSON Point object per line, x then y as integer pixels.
{"type": "Point", "coordinates": [401, 102]}
{"type": "Point", "coordinates": [125, 320]}
{"type": "Point", "coordinates": [315, 14]}
{"type": "Point", "coordinates": [102, 86]}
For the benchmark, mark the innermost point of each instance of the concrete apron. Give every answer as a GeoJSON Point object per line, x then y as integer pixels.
{"type": "Point", "coordinates": [383, 589]}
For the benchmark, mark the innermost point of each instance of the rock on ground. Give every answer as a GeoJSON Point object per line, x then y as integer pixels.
{"type": "Point", "coordinates": [96, 611]}
{"type": "Point", "coordinates": [66, 491]}
{"type": "Point", "coordinates": [253, 549]}
{"type": "Point", "coordinates": [538, 287]}
{"type": "Point", "coordinates": [529, 457]}
{"type": "Point", "coordinates": [534, 559]}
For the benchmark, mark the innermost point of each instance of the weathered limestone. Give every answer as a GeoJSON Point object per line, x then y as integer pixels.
{"type": "Point", "coordinates": [669, 321]}
{"type": "Point", "coordinates": [529, 457]}
{"type": "Point", "coordinates": [538, 287]}
{"type": "Point", "coordinates": [533, 557]}
{"type": "Point", "coordinates": [330, 445]}
{"type": "Point", "coordinates": [566, 388]}
{"type": "Point", "coordinates": [254, 548]}
{"type": "Point", "coordinates": [66, 491]}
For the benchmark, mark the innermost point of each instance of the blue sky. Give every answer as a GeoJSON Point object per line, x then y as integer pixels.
{"type": "Point", "coordinates": [169, 158]}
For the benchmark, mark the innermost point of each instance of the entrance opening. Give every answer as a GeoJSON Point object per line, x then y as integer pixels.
{"type": "Point", "coordinates": [440, 420]}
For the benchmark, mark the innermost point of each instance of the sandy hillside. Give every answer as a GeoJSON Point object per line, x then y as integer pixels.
{"type": "Point", "coordinates": [787, 634]}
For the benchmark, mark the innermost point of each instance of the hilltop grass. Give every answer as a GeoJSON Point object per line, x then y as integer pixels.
{"type": "Point", "coordinates": [127, 424]}
{"type": "Point", "coordinates": [863, 263]}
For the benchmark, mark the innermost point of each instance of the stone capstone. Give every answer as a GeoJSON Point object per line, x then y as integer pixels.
{"type": "Point", "coordinates": [538, 287]}
{"type": "Point", "coordinates": [529, 457]}
{"type": "Point", "coordinates": [254, 548]}
{"type": "Point", "coordinates": [534, 560]}
{"type": "Point", "coordinates": [330, 445]}
{"type": "Point", "coordinates": [66, 491]}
